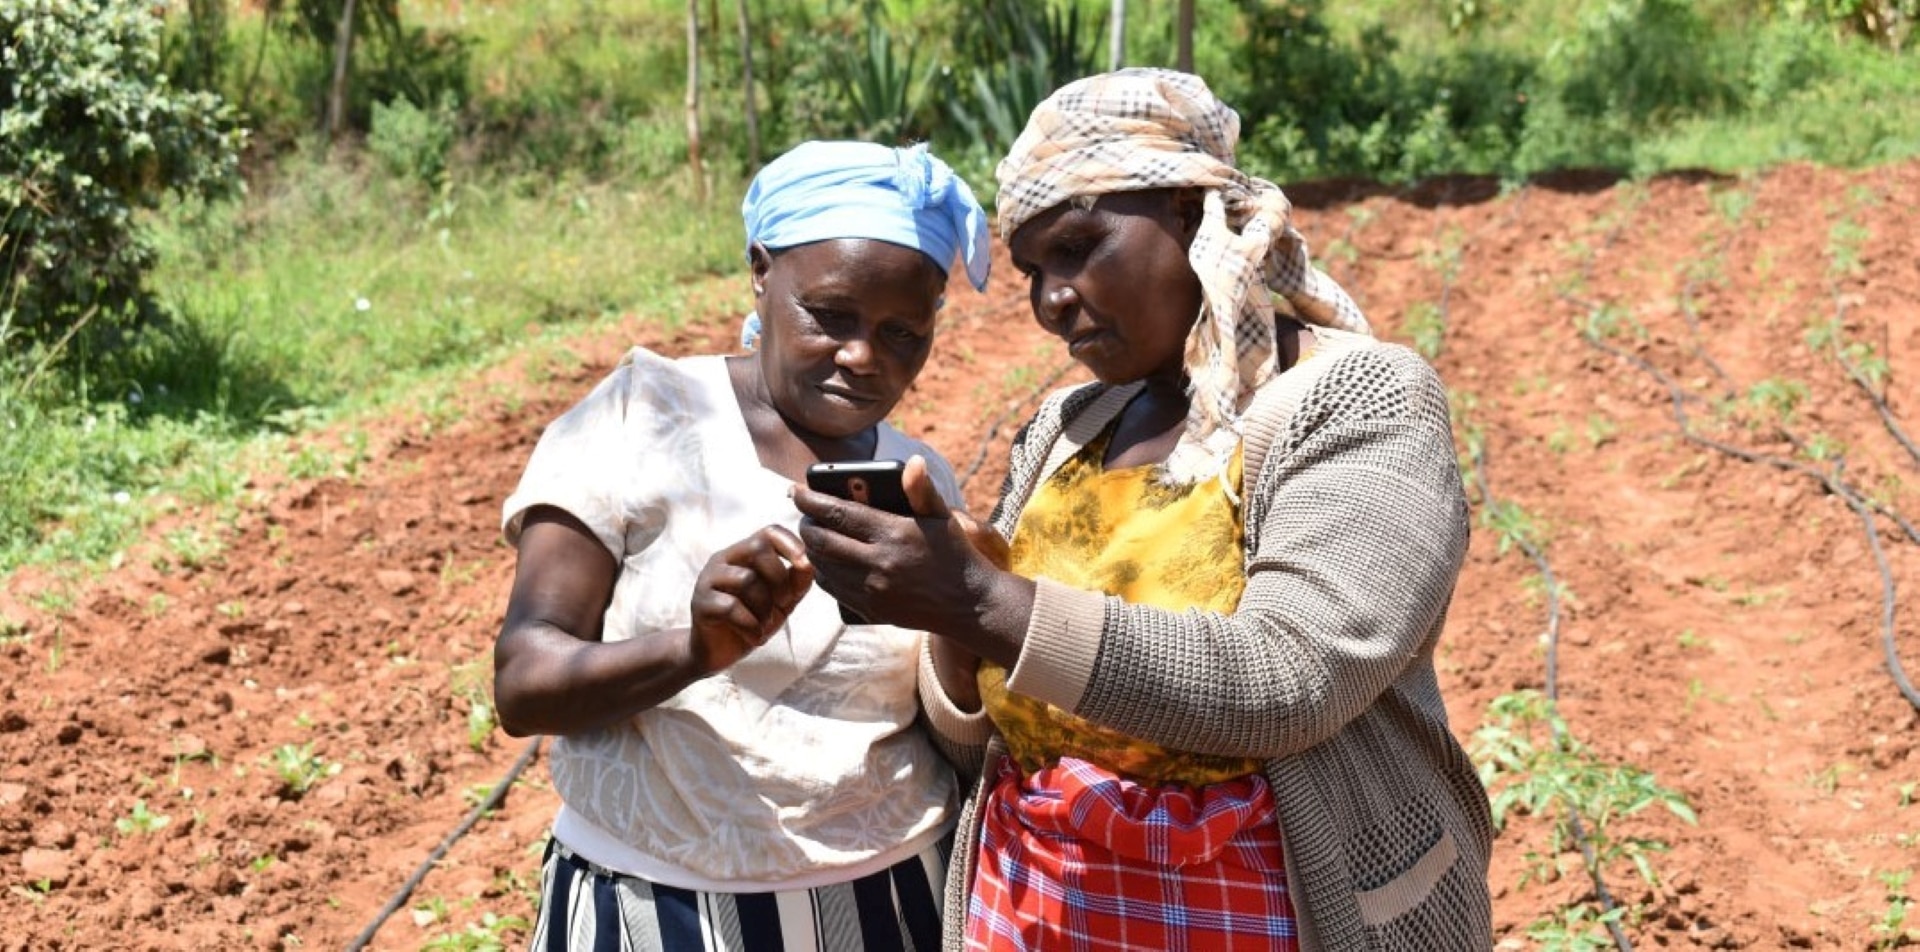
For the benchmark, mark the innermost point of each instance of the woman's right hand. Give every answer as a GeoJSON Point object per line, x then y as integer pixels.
{"type": "Point", "coordinates": [744, 595]}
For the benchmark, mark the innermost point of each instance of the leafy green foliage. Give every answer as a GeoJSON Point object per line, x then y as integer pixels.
{"type": "Point", "coordinates": [141, 820]}
{"type": "Point", "coordinates": [1008, 58]}
{"type": "Point", "coordinates": [1513, 526]}
{"type": "Point", "coordinates": [488, 935]}
{"type": "Point", "coordinates": [413, 142]}
{"type": "Point", "coordinates": [392, 60]}
{"type": "Point", "coordinates": [1885, 21]}
{"type": "Point", "coordinates": [90, 131]}
{"type": "Point", "coordinates": [881, 85]}
{"type": "Point", "coordinates": [1891, 931]}
{"type": "Point", "coordinates": [1777, 398]}
{"type": "Point", "coordinates": [1533, 764]}
{"type": "Point", "coordinates": [299, 768]}
{"type": "Point", "coordinates": [1576, 928]}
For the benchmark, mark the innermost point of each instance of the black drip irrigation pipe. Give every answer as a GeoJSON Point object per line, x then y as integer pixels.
{"type": "Point", "coordinates": [1477, 452]}
{"type": "Point", "coordinates": [405, 892]}
{"type": "Point", "coordinates": [1860, 380]}
{"type": "Point", "coordinates": [1831, 479]}
{"type": "Point", "coordinates": [1730, 390]}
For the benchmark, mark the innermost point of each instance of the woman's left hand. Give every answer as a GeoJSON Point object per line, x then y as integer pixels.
{"type": "Point", "coordinates": [937, 571]}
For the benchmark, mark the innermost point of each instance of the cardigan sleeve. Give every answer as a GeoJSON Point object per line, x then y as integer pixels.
{"type": "Point", "coordinates": [1357, 531]}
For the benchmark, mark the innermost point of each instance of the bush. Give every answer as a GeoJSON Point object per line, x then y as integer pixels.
{"type": "Point", "coordinates": [412, 142]}
{"type": "Point", "coordinates": [90, 130]}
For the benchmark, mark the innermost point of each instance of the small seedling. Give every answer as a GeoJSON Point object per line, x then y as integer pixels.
{"type": "Point", "coordinates": [1600, 430]}
{"type": "Point", "coordinates": [1845, 240]}
{"type": "Point", "coordinates": [1576, 928]}
{"type": "Point", "coordinates": [141, 820]}
{"type": "Point", "coordinates": [1828, 781]}
{"type": "Point", "coordinates": [1513, 527]}
{"type": "Point", "coordinates": [299, 768]}
{"type": "Point", "coordinates": [468, 681]}
{"type": "Point", "coordinates": [1608, 321]}
{"type": "Point", "coordinates": [1892, 927]}
{"type": "Point", "coordinates": [1776, 399]}
{"type": "Point", "coordinates": [480, 724]}
{"type": "Point", "coordinates": [429, 912]}
{"type": "Point", "coordinates": [487, 935]}
{"type": "Point", "coordinates": [1759, 597]}
{"type": "Point", "coordinates": [477, 794]}
{"type": "Point", "coordinates": [191, 548]}
{"type": "Point", "coordinates": [1822, 448]}
{"type": "Point", "coordinates": [1534, 765]}
{"type": "Point", "coordinates": [1425, 328]}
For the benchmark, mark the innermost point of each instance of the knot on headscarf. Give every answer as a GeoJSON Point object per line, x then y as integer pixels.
{"type": "Point", "coordinates": [824, 190]}
{"type": "Point", "coordinates": [1138, 129]}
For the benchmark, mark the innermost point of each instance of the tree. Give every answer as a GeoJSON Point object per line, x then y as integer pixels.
{"type": "Point", "coordinates": [1183, 57]}
{"type": "Point", "coordinates": [342, 58]}
{"type": "Point", "coordinates": [92, 131]}
{"type": "Point", "coordinates": [746, 87]}
{"type": "Point", "coordinates": [693, 99]}
{"type": "Point", "coordinates": [1117, 48]}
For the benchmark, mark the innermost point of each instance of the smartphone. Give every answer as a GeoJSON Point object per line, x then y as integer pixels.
{"type": "Point", "coordinates": [875, 483]}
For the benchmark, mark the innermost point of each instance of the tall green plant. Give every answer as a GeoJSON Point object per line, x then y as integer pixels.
{"type": "Point", "coordinates": [1014, 55]}
{"type": "Point", "coordinates": [881, 89]}
{"type": "Point", "coordinates": [90, 131]}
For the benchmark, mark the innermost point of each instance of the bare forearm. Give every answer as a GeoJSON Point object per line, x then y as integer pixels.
{"type": "Point", "coordinates": [549, 682]}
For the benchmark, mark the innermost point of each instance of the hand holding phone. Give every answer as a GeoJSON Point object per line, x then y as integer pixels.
{"type": "Point", "coordinates": [875, 483]}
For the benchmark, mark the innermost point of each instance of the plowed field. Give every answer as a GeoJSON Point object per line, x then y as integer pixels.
{"type": "Point", "coordinates": [1717, 620]}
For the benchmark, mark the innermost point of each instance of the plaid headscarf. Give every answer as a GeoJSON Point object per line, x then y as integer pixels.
{"type": "Point", "coordinates": [1141, 129]}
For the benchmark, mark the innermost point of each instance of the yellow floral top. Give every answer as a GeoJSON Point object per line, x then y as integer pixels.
{"type": "Point", "coordinates": [1126, 533]}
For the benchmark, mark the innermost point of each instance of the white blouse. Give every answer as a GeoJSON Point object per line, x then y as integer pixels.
{"type": "Point", "coordinates": [797, 767]}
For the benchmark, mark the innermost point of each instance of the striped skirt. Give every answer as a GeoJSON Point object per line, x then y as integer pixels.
{"type": "Point", "coordinates": [1077, 859]}
{"type": "Point", "coordinates": [586, 908]}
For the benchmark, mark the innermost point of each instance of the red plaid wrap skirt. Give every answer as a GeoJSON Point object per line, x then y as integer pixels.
{"type": "Point", "coordinates": [1077, 858]}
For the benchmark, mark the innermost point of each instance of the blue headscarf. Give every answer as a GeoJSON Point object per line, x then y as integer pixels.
{"type": "Point", "coordinates": [823, 190]}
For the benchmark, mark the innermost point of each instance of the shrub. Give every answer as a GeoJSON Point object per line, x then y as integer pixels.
{"type": "Point", "coordinates": [90, 130]}
{"type": "Point", "coordinates": [413, 142]}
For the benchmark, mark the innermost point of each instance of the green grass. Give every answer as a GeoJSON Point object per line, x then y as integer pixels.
{"type": "Point", "coordinates": [331, 290]}
{"type": "Point", "coordinates": [338, 285]}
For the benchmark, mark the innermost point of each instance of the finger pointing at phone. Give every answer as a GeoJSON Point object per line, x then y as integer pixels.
{"type": "Point", "coordinates": [744, 594]}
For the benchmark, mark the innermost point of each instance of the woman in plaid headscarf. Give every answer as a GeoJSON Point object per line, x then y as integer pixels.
{"type": "Point", "coordinates": [1197, 685]}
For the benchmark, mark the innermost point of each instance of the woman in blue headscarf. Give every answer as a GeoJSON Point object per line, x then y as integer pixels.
{"type": "Point", "coordinates": [738, 768]}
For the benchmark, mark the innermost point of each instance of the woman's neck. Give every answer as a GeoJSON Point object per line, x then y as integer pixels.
{"type": "Point", "coordinates": [1150, 426]}
{"type": "Point", "coordinates": [782, 445]}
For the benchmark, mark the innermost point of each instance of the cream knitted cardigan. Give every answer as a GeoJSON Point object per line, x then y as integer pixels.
{"type": "Point", "coordinates": [1356, 527]}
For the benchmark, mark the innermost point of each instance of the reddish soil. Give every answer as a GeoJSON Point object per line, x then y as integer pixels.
{"type": "Point", "coordinates": [1721, 624]}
